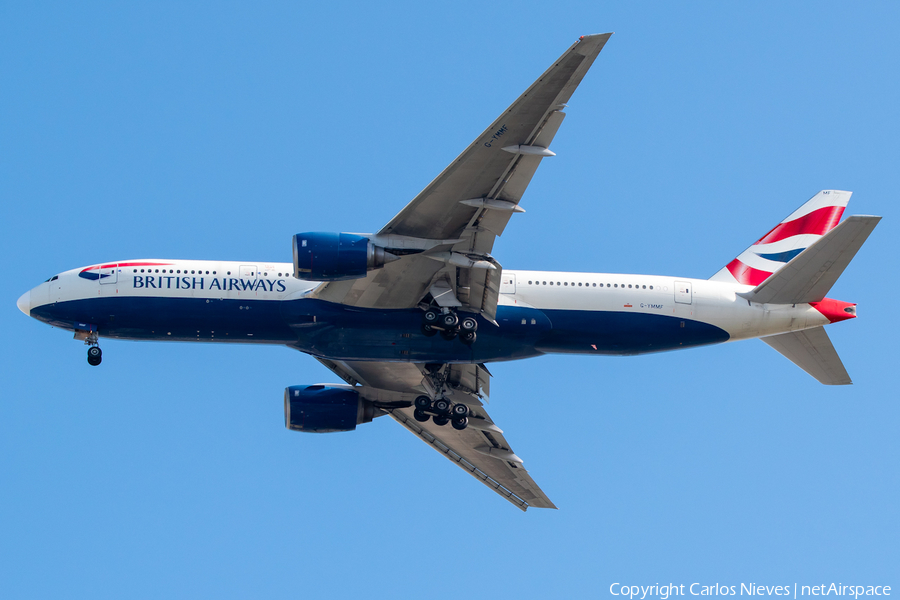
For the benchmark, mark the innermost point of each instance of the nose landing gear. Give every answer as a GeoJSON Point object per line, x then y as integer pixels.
{"type": "Point", "coordinates": [94, 354]}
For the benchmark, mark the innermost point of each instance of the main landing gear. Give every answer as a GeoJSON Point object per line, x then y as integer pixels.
{"type": "Point", "coordinates": [94, 354]}
{"type": "Point", "coordinates": [441, 411]}
{"type": "Point", "coordinates": [446, 322]}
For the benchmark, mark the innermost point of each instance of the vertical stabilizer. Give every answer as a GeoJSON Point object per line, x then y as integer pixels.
{"type": "Point", "coordinates": [786, 240]}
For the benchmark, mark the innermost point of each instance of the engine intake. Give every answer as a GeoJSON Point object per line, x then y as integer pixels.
{"type": "Point", "coordinates": [325, 409]}
{"type": "Point", "coordinates": [336, 256]}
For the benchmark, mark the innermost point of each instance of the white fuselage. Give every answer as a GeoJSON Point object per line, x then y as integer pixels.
{"type": "Point", "coordinates": [549, 311]}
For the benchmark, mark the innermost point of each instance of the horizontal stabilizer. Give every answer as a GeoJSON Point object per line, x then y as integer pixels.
{"type": "Point", "coordinates": [809, 276]}
{"type": "Point", "coordinates": [812, 351]}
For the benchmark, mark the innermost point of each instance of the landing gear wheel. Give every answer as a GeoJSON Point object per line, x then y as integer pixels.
{"type": "Point", "coordinates": [442, 406]}
{"type": "Point", "coordinates": [460, 410]}
{"type": "Point", "coordinates": [448, 334]}
{"type": "Point", "coordinates": [428, 330]}
{"type": "Point", "coordinates": [431, 317]}
{"type": "Point", "coordinates": [449, 321]}
{"type": "Point", "coordinates": [460, 423]}
{"type": "Point", "coordinates": [467, 337]}
{"type": "Point", "coordinates": [94, 356]}
{"type": "Point", "coordinates": [441, 421]}
{"type": "Point", "coordinates": [422, 402]}
{"type": "Point", "coordinates": [420, 415]}
{"type": "Point", "coordinates": [468, 324]}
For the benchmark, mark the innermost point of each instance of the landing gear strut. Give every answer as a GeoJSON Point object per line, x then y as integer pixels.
{"type": "Point", "coordinates": [449, 324]}
{"type": "Point", "coordinates": [94, 354]}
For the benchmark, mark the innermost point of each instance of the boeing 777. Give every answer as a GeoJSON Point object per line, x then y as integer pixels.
{"type": "Point", "coordinates": [408, 317]}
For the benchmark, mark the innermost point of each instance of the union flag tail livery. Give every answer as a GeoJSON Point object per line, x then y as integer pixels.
{"type": "Point", "coordinates": [786, 240]}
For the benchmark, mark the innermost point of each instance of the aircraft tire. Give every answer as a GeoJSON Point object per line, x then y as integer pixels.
{"type": "Point", "coordinates": [441, 421]}
{"type": "Point", "coordinates": [468, 324]}
{"type": "Point", "coordinates": [420, 415]}
{"type": "Point", "coordinates": [460, 423]}
{"type": "Point", "coordinates": [94, 356]}
{"type": "Point", "coordinates": [460, 410]}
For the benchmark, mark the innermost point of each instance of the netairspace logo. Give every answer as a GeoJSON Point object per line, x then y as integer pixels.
{"type": "Point", "coordinates": [666, 591]}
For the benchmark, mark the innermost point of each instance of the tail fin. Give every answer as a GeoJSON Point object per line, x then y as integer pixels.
{"type": "Point", "coordinates": [809, 276]}
{"type": "Point", "coordinates": [812, 351]}
{"type": "Point", "coordinates": [786, 240]}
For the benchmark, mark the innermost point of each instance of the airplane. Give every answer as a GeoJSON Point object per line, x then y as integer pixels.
{"type": "Point", "coordinates": [409, 317]}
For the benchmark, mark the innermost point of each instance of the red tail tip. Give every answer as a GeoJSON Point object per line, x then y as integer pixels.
{"type": "Point", "coordinates": [835, 310]}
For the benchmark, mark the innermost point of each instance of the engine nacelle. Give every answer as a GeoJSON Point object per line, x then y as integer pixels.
{"type": "Point", "coordinates": [336, 256]}
{"type": "Point", "coordinates": [325, 409]}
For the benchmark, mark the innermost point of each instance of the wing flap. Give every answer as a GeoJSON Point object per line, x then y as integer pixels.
{"type": "Point", "coordinates": [507, 478]}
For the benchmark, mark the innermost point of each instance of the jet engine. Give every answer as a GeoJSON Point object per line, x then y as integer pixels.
{"type": "Point", "coordinates": [336, 256]}
{"type": "Point", "coordinates": [325, 409]}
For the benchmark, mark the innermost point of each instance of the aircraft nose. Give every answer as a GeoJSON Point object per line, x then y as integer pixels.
{"type": "Point", "coordinates": [24, 303]}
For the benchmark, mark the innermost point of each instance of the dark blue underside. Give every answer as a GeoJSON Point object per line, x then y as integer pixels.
{"type": "Point", "coordinates": [341, 332]}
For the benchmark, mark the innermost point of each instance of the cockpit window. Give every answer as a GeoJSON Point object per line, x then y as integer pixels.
{"type": "Point", "coordinates": [54, 278]}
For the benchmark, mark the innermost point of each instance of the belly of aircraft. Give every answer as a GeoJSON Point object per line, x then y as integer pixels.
{"type": "Point", "coordinates": [346, 333]}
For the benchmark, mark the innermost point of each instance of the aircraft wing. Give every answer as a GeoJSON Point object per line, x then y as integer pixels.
{"type": "Point", "coordinates": [446, 233]}
{"type": "Point", "coordinates": [480, 449]}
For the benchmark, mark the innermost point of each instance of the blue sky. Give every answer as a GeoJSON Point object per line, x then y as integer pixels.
{"type": "Point", "coordinates": [218, 130]}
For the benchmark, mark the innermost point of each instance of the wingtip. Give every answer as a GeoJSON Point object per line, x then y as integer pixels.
{"type": "Point", "coordinates": [596, 35]}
